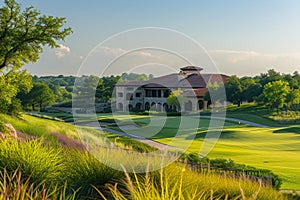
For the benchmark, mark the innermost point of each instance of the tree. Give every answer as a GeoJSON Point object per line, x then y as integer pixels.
{"type": "Point", "coordinates": [250, 89]}
{"type": "Point", "coordinates": [22, 37]}
{"type": "Point", "coordinates": [134, 77]}
{"type": "Point", "coordinates": [293, 82]}
{"type": "Point", "coordinates": [275, 93]}
{"type": "Point", "coordinates": [293, 99]}
{"type": "Point", "coordinates": [176, 98]}
{"type": "Point", "coordinates": [270, 76]}
{"type": "Point", "coordinates": [105, 88]}
{"type": "Point", "coordinates": [42, 95]}
{"type": "Point", "coordinates": [24, 33]}
{"type": "Point", "coordinates": [234, 90]}
{"type": "Point", "coordinates": [215, 93]}
{"type": "Point", "coordinates": [12, 83]}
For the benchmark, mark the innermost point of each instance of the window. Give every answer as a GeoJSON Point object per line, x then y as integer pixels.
{"type": "Point", "coordinates": [153, 93]}
{"type": "Point", "coordinates": [138, 94]}
{"type": "Point", "coordinates": [166, 93]}
{"type": "Point", "coordinates": [158, 93]}
{"type": "Point", "coordinates": [120, 94]}
{"type": "Point", "coordinates": [148, 93]}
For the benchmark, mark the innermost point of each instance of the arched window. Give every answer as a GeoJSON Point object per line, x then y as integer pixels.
{"type": "Point", "coordinates": [159, 107]}
{"type": "Point", "coordinates": [153, 106]}
{"type": "Point", "coordinates": [200, 105]}
{"type": "Point", "coordinates": [138, 106]}
{"type": "Point", "coordinates": [147, 106]}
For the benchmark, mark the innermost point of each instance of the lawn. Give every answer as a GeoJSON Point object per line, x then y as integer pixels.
{"type": "Point", "coordinates": [277, 149]}
{"type": "Point", "coordinates": [262, 115]}
{"type": "Point", "coordinates": [73, 170]}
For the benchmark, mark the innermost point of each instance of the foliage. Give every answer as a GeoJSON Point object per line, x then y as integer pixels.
{"type": "Point", "coordinates": [234, 90]}
{"type": "Point", "coordinates": [54, 166]}
{"type": "Point", "coordinates": [230, 164]}
{"type": "Point", "coordinates": [24, 33]}
{"type": "Point", "coordinates": [130, 144]}
{"type": "Point", "coordinates": [40, 95]}
{"type": "Point", "coordinates": [87, 176]}
{"type": "Point", "coordinates": [82, 170]}
{"type": "Point", "coordinates": [86, 171]}
{"type": "Point", "coordinates": [59, 80]}
{"type": "Point", "coordinates": [11, 83]}
{"type": "Point", "coordinates": [251, 89]}
{"type": "Point", "coordinates": [293, 99]}
{"type": "Point", "coordinates": [135, 77]}
{"type": "Point", "coordinates": [215, 93]}
{"type": "Point", "coordinates": [105, 88]}
{"type": "Point", "coordinates": [177, 182]}
{"type": "Point", "coordinates": [40, 163]}
{"type": "Point", "coordinates": [3, 128]}
{"type": "Point", "coordinates": [268, 77]}
{"type": "Point", "coordinates": [15, 187]}
{"type": "Point", "coordinates": [275, 93]}
{"type": "Point", "coordinates": [176, 98]}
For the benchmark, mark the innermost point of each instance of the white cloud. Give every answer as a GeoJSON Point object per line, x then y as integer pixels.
{"type": "Point", "coordinates": [61, 51]}
{"type": "Point", "coordinates": [252, 62]}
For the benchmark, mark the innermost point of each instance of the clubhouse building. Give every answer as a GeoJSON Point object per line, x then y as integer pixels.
{"type": "Point", "coordinates": [153, 94]}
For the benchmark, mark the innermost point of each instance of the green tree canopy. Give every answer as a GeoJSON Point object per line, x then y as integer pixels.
{"type": "Point", "coordinates": [11, 83]}
{"type": "Point", "coordinates": [23, 33]}
{"type": "Point", "coordinates": [176, 98]}
{"type": "Point", "coordinates": [250, 89]}
{"type": "Point", "coordinates": [234, 90]}
{"type": "Point", "coordinates": [270, 76]}
{"type": "Point", "coordinates": [41, 95]}
{"type": "Point", "coordinates": [215, 93]}
{"type": "Point", "coordinates": [293, 99]}
{"type": "Point", "coordinates": [275, 93]}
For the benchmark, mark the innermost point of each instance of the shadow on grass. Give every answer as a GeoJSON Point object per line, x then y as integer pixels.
{"type": "Point", "coordinates": [225, 135]}
{"type": "Point", "coordinates": [288, 130]}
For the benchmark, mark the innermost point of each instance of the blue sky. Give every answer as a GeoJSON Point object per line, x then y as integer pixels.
{"type": "Point", "coordinates": [242, 37]}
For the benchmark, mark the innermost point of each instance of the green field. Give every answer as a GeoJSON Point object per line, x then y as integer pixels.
{"type": "Point", "coordinates": [71, 170]}
{"type": "Point", "coordinates": [277, 149]}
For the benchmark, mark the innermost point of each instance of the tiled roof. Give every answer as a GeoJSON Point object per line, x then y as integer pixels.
{"type": "Point", "coordinates": [195, 93]}
{"type": "Point", "coordinates": [177, 81]}
{"type": "Point", "coordinates": [200, 92]}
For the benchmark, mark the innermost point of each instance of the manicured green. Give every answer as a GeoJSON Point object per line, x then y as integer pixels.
{"type": "Point", "coordinates": [262, 115]}
{"type": "Point", "coordinates": [276, 149]}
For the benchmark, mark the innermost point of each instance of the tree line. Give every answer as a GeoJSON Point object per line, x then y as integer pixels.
{"type": "Point", "coordinates": [272, 89]}
{"type": "Point", "coordinates": [48, 90]}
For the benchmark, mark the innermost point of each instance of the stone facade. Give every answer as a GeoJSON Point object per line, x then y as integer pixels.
{"type": "Point", "coordinates": [153, 94]}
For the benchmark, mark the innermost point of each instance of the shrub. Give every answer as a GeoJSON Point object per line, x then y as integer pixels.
{"type": "Point", "coordinates": [176, 182]}
{"type": "Point", "coordinates": [15, 186]}
{"type": "Point", "coordinates": [40, 162]}
{"type": "Point", "coordinates": [3, 128]}
{"type": "Point", "coordinates": [85, 171]}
